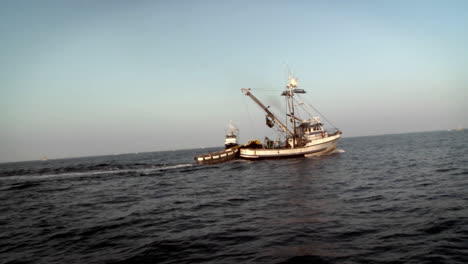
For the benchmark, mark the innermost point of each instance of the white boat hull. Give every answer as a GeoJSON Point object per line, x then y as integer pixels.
{"type": "Point", "coordinates": [315, 148]}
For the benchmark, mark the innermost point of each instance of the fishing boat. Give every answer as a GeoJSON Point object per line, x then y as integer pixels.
{"type": "Point", "coordinates": [302, 133]}
{"type": "Point", "coordinates": [230, 152]}
{"type": "Point", "coordinates": [231, 136]}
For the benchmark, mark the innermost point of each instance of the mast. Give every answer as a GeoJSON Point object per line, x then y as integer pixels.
{"type": "Point", "coordinates": [291, 89]}
{"type": "Point", "coordinates": [293, 121]}
{"type": "Point", "coordinates": [269, 114]}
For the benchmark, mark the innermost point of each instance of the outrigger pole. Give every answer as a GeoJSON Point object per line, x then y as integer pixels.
{"type": "Point", "coordinates": [269, 114]}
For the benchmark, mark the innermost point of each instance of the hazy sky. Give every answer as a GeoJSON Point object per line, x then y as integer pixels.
{"type": "Point", "coordinates": [84, 78]}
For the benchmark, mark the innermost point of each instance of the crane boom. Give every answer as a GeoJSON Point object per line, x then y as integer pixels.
{"type": "Point", "coordinates": [269, 113]}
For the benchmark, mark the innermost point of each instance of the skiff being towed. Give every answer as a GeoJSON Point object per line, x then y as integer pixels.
{"type": "Point", "coordinates": [304, 137]}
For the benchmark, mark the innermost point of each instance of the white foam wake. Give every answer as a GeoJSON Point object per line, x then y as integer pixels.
{"type": "Point", "coordinates": [33, 177]}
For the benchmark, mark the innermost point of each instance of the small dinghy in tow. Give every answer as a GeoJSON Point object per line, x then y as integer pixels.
{"type": "Point", "coordinates": [231, 152]}
{"type": "Point", "coordinates": [219, 156]}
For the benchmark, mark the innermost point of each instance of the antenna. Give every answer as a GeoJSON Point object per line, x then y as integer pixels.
{"type": "Point", "coordinates": [290, 73]}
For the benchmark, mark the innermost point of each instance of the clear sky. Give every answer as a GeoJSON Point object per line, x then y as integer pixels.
{"type": "Point", "coordinates": [82, 78]}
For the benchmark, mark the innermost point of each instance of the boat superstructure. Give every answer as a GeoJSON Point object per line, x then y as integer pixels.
{"type": "Point", "coordinates": [303, 136]}
{"type": "Point", "coordinates": [231, 136]}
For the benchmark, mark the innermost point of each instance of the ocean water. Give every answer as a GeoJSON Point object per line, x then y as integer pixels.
{"type": "Point", "coordinates": [381, 199]}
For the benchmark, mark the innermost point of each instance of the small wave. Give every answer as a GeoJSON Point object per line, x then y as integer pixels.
{"type": "Point", "coordinates": [144, 171]}
{"type": "Point", "coordinates": [460, 173]}
{"type": "Point", "coordinates": [20, 186]}
{"type": "Point", "coordinates": [336, 151]}
{"type": "Point", "coordinates": [445, 170]}
{"type": "Point", "coordinates": [166, 251]}
{"type": "Point", "coordinates": [331, 153]}
{"type": "Point", "coordinates": [437, 228]}
{"type": "Point", "coordinates": [305, 259]}
{"type": "Point", "coordinates": [164, 168]}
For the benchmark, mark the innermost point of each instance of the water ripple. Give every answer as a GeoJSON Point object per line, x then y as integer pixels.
{"type": "Point", "coordinates": [386, 199]}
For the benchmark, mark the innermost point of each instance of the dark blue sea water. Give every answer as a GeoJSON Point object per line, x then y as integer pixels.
{"type": "Point", "coordinates": [381, 199]}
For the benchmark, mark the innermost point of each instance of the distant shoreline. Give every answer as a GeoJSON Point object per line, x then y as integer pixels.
{"type": "Point", "coordinates": [212, 147]}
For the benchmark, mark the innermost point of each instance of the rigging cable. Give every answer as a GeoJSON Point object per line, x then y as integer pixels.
{"type": "Point", "coordinates": [319, 113]}
{"type": "Point", "coordinates": [250, 117]}
{"type": "Point", "coordinates": [302, 105]}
